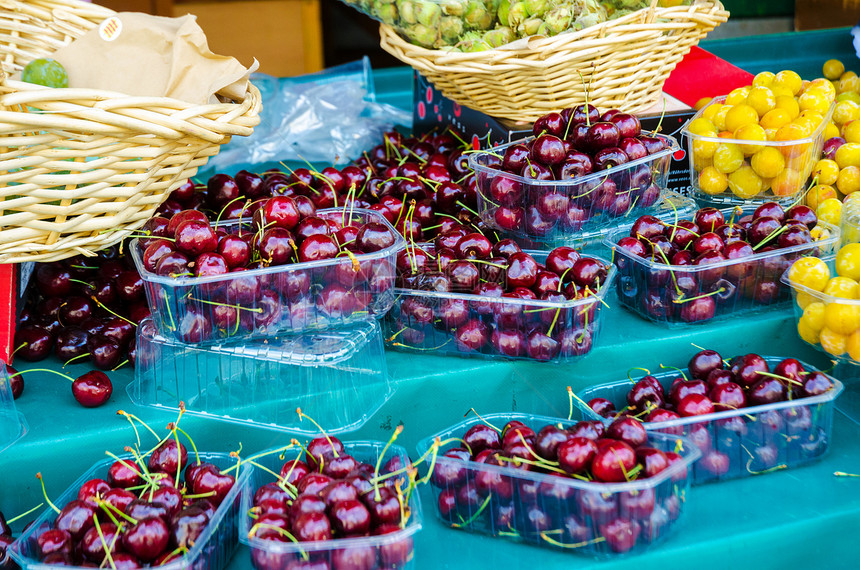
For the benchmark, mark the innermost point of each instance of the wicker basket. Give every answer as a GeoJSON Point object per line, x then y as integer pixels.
{"type": "Point", "coordinates": [80, 168]}
{"type": "Point", "coordinates": [623, 63]}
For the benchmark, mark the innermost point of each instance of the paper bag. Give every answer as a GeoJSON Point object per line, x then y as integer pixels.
{"type": "Point", "coordinates": [152, 56]}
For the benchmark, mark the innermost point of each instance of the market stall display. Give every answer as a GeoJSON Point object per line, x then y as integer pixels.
{"type": "Point", "coordinates": [749, 416]}
{"type": "Point", "coordinates": [498, 301]}
{"type": "Point", "coordinates": [720, 263]}
{"type": "Point", "coordinates": [357, 513]}
{"type": "Point", "coordinates": [599, 494]}
{"type": "Point", "coordinates": [578, 175]}
{"type": "Point", "coordinates": [454, 282]}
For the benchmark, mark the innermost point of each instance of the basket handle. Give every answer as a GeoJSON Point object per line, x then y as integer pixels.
{"type": "Point", "coordinates": [651, 16]}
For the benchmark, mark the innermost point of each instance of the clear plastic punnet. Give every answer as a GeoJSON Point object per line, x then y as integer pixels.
{"type": "Point", "coordinates": [601, 520]}
{"type": "Point", "coordinates": [576, 209]}
{"type": "Point", "coordinates": [338, 376]}
{"type": "Point", "coordinates": [284, 298]}
{"type": "Point", "coordinates": [681, 295]}
{"type": "Point", "coordinates": [390, 550]}
{"type": "Point", "coordinates": [470, 325]}
{"type": "Point", "coordinates": [727, 171]}
{"type": "Point", "coordinates": [211, 551]}
{"type": "Point", "coordinates": [746, 441]}
{"type": "Point", "coordinates": [12, 424]}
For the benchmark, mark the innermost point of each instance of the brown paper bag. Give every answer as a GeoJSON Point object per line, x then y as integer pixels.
{"type": "Point", "coordinates": [152, 56]}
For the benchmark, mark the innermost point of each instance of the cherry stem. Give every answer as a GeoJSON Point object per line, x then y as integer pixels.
{"type": "Point", "coordinates": [702, 296]}
{"type": "Point", "coordinates": [569, 405]}
{"type": "Point", "coordinates": [191, 441]}
{"type": "Point", "coordinates": [280, 450]}
{"type": "Point", "coordinates": [120, 365]}
{"type": "Point", "coordinates": [844, 474]}
{"type": "Point", "coordinates": [772, 235]}
{"type": "Point", "coordinates": [132, 418]}
{"type": "Point", "coordinates": [482, 419]}
{"type": "Point", "coordinates": [681, 372]}
{"type": "Point", "coordinates": [105, 546]}
{"type": "Point", "coordinates": [554, 542]}
{"type": "Point", "coordinates": [474, 517]}
{"type": "Point", "coordinates": [45, 493]}
{"type": "Point", "coordinates": [108, 309]}
{"type": "Point", "coordinates": [648, 372]}
{"type": "Point", "coordinates": [777, 376]}
{"type": "Point", "coordinates": [241, 308]}
{"type": "Point", "coordinates": [22, 515]}
{"type": "Point", "coordinates": [109, 507]}
{"type": "Point", "coordinates": [253, 532]}
{"type": "Point", "coordinates": [224, 209]}
{"type": "Point", "coordinates": [66, 376]}
{"type": "Point", "coordinates": [303, 415]}
{"type": "Point", "coordinates": [397, 431]}
{"type": "Point", "coordinates": [78, 357]}
{"type": "Point", "coordinates": [577, 398]}
{"type": "Point", "coordinates": [206, 494]}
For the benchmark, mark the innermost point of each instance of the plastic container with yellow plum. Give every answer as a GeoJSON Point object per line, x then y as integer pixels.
{"type": "Point", "coordinates": [826, 300]}
{"type": "Point", "coordinates": [738, 157]}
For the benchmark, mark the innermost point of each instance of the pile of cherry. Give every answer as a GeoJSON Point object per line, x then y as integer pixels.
{"type": "Point", "coordinates": [145, 516]}
{"type": "Point", "coordinates": [709, 274]}
{"type": "Point", "coordinates": [330, 495]}
{"type": "Point", "coordinates": [753, 439]}
{"type": "Point", "coordinates": [493, 314]}
{"type": "Point", "coordinates": [189, 245]}
{"type": "Point", "coordinates": [83, 307]}
{"type": "Point", "coordinates": [538, 510]}
{"type": "Point", "coordinates": [566, 146]}
{"type": "Point", "coordinates": [430, 171]}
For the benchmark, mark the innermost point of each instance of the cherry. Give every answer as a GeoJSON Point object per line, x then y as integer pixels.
{"type": "Point", "coordinates": [350, 518]}
{"type": "Point", "coordinates": [547, 441]}
{"type": "Point", "coordinates": [608, 158]}
{"type": "Point", "coordinates": [694, 404]}
{"type": "Point", "coordinates": [794, 235]}
{"type": "Point", "coordinates": [312, 527]}
{"type": "Point", "coordinates": [815, 384]}
{"type": "Point", "coordinates": [715, 462]}
{"type": "Point", "coordinates": [384, 510]}
{"type": "Point", "coordinates": [575, 455]}
{"type": "Point", "coordinates": [803, 214]}
{"type": "Point", "coordinates": [169, 457]}
{"type": "Point", "coordinates": [187, 525]}
{"type": "Point", "coordinates": [709, 219]}
{"type": "Point", "coordinates": [613, 461]}
{"type": "Point", "coordinates": [602, 407]}
{"type": "Point", "coordinates": [104, 351]}
{"type": "Point", "coordinates": [703, 363]}
{"type": "Point", "coordinates": [194, 237]}
{"type": "Point", "coordinates": [53, 280]}
{"type": "Point", "coordinates": [762, 229]}
{"type": "Point", "coordinates": [481, 437]}
{"type": "Point", "coordinates": [53, 541]}
{"type": "Point", "coordinates": [147, 539]}
{"type": "Point", "coordinates": [575, 164]}
{"type": "Point", "coordinates": [321, 449]}
{"type": "Point", "coordinates": [71, 342]}
{"type": "Point", "coordinates": [541, 346]}
{"type": "Point", "coordinates": [602, 134]}
{"type": "Point", "coordinates": [728, 396]}
{"type": "Point", "coordinates": [547, 149]}
{"type": "Point", "coordinates": [767, 390]}
{"type": "Point", "coordinates": [588, 272]}
{"type": "Point", "coordinates": [628, 125]}
{"type": "Point", "coordinates": [746, 368]}
{"type": "Point", "coordinates": [76, 518]}
{"type": "Point", "coordinates": [374, 236]}
{"type": "Point", "coordinates": [644, 395]}
{"type": "Point", "coordinates": [653, 461]}
{"type": "Point", "coordinates": [770, 209]}
{"type": "Point", "coordinates": [697, 310]}
{"type": "Point", "coordinates": [472, 336]}
{"type": "Point", "coordinates": [396, 553]}
{"type": "Point", "coordinates": [212, 481]}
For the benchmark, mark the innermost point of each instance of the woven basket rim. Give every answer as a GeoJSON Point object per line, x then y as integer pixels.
{"type": "Point", "coordinates": [636, 20]}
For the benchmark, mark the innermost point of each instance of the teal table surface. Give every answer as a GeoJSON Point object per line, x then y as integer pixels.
{"type": "Point", "coordinates": [803, 517]}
